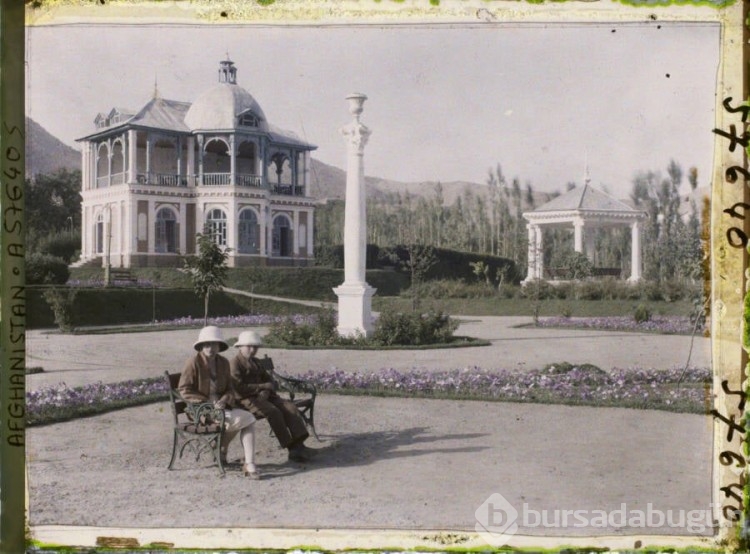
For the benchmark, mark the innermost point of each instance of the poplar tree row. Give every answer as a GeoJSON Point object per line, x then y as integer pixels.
{"type": "Point", "coordinates": [493, 224]}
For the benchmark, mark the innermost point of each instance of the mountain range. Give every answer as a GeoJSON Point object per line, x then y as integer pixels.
{"type": "Point", "coordinates": [46, 154]}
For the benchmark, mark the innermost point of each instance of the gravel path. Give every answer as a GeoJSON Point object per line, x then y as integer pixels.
{"type": "Point", "coordinates": [385, 463]}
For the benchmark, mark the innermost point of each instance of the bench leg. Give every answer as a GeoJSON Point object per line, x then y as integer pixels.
{"type": "Point", "coordinates": [174, 450]}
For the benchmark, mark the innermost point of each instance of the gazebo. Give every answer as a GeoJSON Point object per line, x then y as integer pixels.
{"type": "Point", "coordinates": [585, 209]}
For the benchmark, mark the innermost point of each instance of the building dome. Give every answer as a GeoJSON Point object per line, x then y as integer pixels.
{"type": "Point", "coordinates": [222, 106]}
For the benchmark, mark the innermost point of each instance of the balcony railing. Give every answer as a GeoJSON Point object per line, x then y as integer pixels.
{"type": "Point", "coordinates": [161, 179]}
{"type": "Point", "coordinates": [288, 190]}
{"type": "Point", "coordinates": [248, 180]}
{"type": "Point", "coordinates": [107, 180]}
{"type": "Point", "coordinates": [213, 179]}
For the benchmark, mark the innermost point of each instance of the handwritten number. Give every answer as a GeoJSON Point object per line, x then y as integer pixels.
{"type": "Point", "coordinates": [741, 394]}
{"type": "Point", "coordinates": [734, 140]}
{"type": "Point", "coordinates": [731, 173]}
{"type": "Point", "coordinates": [736, 237]}
{"type": "Point", "coordinates": [744, 109]}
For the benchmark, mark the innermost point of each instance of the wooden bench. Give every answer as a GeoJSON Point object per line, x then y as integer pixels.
{"type": "Point", "coordinates": [205, 435]}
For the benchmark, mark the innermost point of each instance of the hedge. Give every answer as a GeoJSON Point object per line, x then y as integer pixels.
{"type": "Point", "coordinates": [114, 306]}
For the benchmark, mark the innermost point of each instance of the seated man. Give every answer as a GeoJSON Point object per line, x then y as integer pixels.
{"type": "Point", "coordinates": [255, 392]}
{"type": "Point", "coordinates": [206, 378]}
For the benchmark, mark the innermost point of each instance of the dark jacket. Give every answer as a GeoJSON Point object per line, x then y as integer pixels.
{"type": "Point", "coordinates": [195, 380]}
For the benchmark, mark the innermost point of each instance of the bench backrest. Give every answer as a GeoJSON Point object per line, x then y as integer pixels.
{"type": "Point", "coordinates": [175, 400]}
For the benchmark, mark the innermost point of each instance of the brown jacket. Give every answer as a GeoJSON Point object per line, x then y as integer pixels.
{"type": "Point", "coordinates": [246, 376]}
{"type": "Point", "coordinates": [195, 380]}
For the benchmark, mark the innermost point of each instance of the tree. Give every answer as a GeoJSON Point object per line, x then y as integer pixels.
{"type": "Point", "coordinates": [420, 258]}
{"type": "Point", "coordinates": [53, 206]}
{"type": "Point", "coordinates": [208, 269]}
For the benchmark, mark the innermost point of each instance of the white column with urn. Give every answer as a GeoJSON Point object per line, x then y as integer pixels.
{"type": "Point", "coordinates": [355, 295]}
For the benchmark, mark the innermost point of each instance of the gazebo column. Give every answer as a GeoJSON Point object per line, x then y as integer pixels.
{"type": "Point", "coordinates": [636, 260]}
{"type": "Point", "coordinates": [589, 240]}
{"type": "Point", "coordinates": [578, 235]}
{"type": "Point", "coordinates": [535, 256]}
{"type": "Point", "coordinates": [530, 255]}
{"type": "Point", "coordinates": [538, 252]}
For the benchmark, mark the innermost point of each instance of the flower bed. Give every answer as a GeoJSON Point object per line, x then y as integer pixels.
{"type": "Point", "coordinates": [668, 325]}
{"type": "Point", "coordinates": [673, 390]}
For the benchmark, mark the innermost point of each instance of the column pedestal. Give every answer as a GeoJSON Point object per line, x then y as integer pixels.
{"type": "Point", "coordinates": [355, 309]}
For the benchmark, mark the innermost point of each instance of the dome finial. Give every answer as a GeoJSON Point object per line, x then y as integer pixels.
{"type": "Point", "coordinates": [227, 71]}
{"type": "Point", "coordinates": [156, 85]}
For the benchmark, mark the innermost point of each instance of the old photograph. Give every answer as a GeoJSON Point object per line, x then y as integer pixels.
{"type": "Point", "coordinates": [401, 277]}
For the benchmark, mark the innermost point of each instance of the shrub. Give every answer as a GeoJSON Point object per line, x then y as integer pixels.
{"type": "Point", "coordinates": [61, 304]}
{"type": "Point", "coordinates": [538, 290]}
{"type": "Point", "coordinates": [590, 290]}
{"type": "Point", "coordinates": [45, 269]}
{"type": "Point", "coordinates": [642, 313]}
{"type": "Point", "coordinates": [413, 329]}
{"type": "Point", "coordinates": [65, 245]}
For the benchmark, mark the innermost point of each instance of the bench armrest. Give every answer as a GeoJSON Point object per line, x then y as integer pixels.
{"type": "Point", "coordinates": [294, 385]}
{"type": "Point", "coordinates": [204, 413]}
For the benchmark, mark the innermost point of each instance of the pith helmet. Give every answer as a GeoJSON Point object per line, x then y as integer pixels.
{"type": "Point", "coordinates": [248, 338]}
{"type": "Point", "coordinates": [210, 334]}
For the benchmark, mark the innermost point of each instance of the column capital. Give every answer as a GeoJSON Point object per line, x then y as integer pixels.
{"type": "Point", "coordinates": [356, 136]}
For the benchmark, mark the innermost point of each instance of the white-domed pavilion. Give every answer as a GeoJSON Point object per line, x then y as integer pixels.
{"type": "Point", "coordinates": [153, 178]}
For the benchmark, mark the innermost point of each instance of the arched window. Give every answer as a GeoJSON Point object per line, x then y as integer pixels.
{"type": "Point", "coordinates": [249, 232]}
{"type": "Point", "coordinates": [166, 231]}
{"type": "Point", "coordinates": [216, 221]}
{"type": "Point", "coordinates": [282, 236]}
{"type": "Point", "coordinates": [99, 242]}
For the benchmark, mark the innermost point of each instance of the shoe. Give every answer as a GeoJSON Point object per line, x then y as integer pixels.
{"type": "Point", "coordinates": [306, 451]}
{"type": "Point", "coordinates": [252, 474]}
{"type": "Point", "coordinates": [296, 454]}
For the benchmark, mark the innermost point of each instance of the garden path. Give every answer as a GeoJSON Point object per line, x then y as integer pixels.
{"type": "Point", "coordinates": [82, 359]}
{"type": "Point", "coordinates": [386, 463]}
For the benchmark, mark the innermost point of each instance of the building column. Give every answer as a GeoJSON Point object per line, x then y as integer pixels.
{"type": "Point", "coordinates": [263, 230]}
{"type": "Point", "coordinates": [355, 295]}
{"type": "Point", "coordinates": [310, 237]}
{"type": "Point", "coordinates": [293, 167]}
{"type": "Point", "coordinates": [261, 166]}
{"type": "Point", "coordinates": [132, 156]}
{"type": "Point", "coordinates": [636, 261]}
{"type": "Point", "coordinates": [109, 163]}
{"type": "Point", "coordinates": [190, 160]}
{"type": "Point", "coordinates": [232, 160]}
{"type": "Point", "coordinates": [232, 231]}
{"type": "Point", "coordinates": [179, 161]}
{"type": "Point", "coordinates": [85, 152]}
{"type": "Point", "coordinates": [295, 233]}
{"type": "Point", "coordinates": [200, 161]}
{"type": "Point", "coordinates": [151, 227]}
{"type": "Point", "coordinates": [85, 225]}
{"type": "Point", "coordinates": [148, 157]}
{"type": "Point", "coordinates": [182, 221]}
{"type": "Point", "coordinates": [578, 235]}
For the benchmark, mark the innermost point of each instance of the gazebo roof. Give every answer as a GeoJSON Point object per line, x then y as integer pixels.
{"type": "Point", "coordinates": [585, 199]}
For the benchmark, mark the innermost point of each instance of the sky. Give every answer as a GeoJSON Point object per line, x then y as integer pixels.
{"type": "Point", "coordinates": [445, 103]}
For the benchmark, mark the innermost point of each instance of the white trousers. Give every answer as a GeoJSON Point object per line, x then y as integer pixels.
{"type": "Point", "coordinates": [243, 422]}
